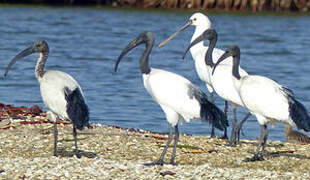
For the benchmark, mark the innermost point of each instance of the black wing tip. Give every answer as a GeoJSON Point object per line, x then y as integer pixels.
{"type": "Point", "coordinates": [77, 109]}
{"type": "Point", "coordinates": [211, 113]}
{"type": "Point", "coordinates": [299, 114]}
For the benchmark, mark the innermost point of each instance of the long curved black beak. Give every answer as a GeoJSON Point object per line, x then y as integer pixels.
{"type": "Point", "coordinates": [196, 41]}
{"type": "Point", "coordinates": [26, 52]}
{"type": "Point", "coordinates": [129, 47]}
{"type": "Point", "coordinates": [190, 22]}
{"type": "Point", "coordinates": [222, 58]}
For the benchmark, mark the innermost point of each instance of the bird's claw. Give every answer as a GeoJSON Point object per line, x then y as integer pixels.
{"type": "Point", "coordinates": [77, 153]}
{"type": "Point", "coordinates": [173, 163]}
{"type": "Point", "coordinates": [159, 163]}
{"type": "Point", "coordinates": [254, 158]}
{"type": "Point", "coordinates": [231, 144]}
{"type": "Point", "coordinates": [223, 137]}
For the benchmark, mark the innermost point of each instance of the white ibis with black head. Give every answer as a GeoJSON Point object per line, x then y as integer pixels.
{"type": "Point", "coordinates": [201, 23]}
{"type": "Point", "coordinates": [266, 99]}
{"type": "Point", "coordinates": [222, 80]}
{"type": "Point", "coordinates": [177, 96]}
{"type": "Point", "coordinates": [60, 92]}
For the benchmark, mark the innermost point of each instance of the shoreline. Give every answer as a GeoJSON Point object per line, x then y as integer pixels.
{"type": "Point", "coordinates": [26, 148]}
{"type": "Point", "coordinates": [232, 6]}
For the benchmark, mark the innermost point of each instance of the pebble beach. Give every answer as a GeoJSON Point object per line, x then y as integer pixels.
{"type": "Point", "coordinates": [111, 152]}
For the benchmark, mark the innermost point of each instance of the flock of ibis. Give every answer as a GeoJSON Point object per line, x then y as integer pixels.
{"type": "Point", "coordinates": [180, 99]}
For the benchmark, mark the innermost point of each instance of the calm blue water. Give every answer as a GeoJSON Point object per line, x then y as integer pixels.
{"type": "Point", "coordinates": [86, 42]}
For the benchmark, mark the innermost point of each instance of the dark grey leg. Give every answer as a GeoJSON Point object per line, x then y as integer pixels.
{"type": "Point", "coordinates": [212, 125]}
{"type": "Point", "coordinates": [232, 140]}
{"type": "Point", "coordinates": [161, 159]}
{"type": "Point", "coordinates": [258, 155]}
{"type": "Point", "coordinates": [176, 139]}
{"type": "Point", "coordinates": [239, 126]}
{"type": "Point", "coordinates": [75, 142]}
{"type": "Point", "coordinates": [55, 138]}
{"type": "Point", "coordinates": [226, 114]}
{"type": "Point", "coordinates": [264, 139]}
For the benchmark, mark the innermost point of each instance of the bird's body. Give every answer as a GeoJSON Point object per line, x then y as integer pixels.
{"type": "Point", "coordinates": [174, 101]}
{"type": "Point", "coordinates": [222, 81]}
{"type": "Point", "coordinates": [223, 84]}
{"type": "Point", "coordinates": [267, 100]}
{"type": "Point", "coordinates": [177, 96]}
{"type": "Point", "coordinates": [60, 92]}
{"type": "Point", "coordinates": [198, 52]}
{"type": "Point", "coordinates": [273, 105]}
{"type": "Point", "coordinates": [52, 91]}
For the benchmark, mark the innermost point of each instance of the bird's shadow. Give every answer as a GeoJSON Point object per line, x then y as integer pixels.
{"type": "Point", "coordinates": [285, 154]}
{"type": "Point", "coordinates": [256, 143]}
{"type": "Point", "coordinates": [63, 152]}
{"type": "Point", "coordinates": [276, 154]}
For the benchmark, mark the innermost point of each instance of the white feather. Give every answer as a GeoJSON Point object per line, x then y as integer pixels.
{"type": "Point", "coordinates": [52, 86]}
{"type": "Point", "coordinates": [171, 92]}
{"type": "Point", "coordinates": [264, 98]}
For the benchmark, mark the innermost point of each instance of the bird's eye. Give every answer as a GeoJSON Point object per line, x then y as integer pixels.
{"type": "Point", "coordinates": [195, 19]}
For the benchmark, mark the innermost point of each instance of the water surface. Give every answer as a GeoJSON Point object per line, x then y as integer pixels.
{"type": "Point", "coordinates": [85, 42]}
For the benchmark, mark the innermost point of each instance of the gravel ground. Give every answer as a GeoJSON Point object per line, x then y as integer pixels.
{"type": "Point", "coordinates": [26, 148]}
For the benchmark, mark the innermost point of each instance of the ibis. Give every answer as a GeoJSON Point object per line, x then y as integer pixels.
{"type": "Point", "coordinates": [269, 101]}
{"type": "Point", "coordinates": [295, 137]}
{"type": "Point", "coordinates": [60, 92]}
{"type": "Point", "coordinates": [222, 80]}
{"type": "Point", "coordinates": [177, 96]}
{"type": "Point", "coordinates": [201, 23]}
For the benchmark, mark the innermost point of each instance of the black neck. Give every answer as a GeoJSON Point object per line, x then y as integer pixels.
{"type": "Point", "coordinates": [236, 64]}
{"type": "Point", "coordinates": [209, 59]}
{"type": "Point", "coordinates": [144, 61]}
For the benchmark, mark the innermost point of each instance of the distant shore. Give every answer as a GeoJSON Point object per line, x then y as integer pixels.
{"type": "Point", "coordinates": [215, 5]}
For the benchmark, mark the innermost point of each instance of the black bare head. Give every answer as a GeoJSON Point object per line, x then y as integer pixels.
{"type": "Point", "coordinates": [144, 37]}
{"type": "Point", "coordinates": [40, 46]}
{"type": "Point", "coordinates": [209, 34]}
{"type": "Point", "coordinates": [233, 51]}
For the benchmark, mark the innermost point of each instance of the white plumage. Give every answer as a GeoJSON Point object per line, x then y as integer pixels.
{"type": "Point", "coordinates": [176, 95]}
{"type": "Point", "coordinates": [199, 52]}
{"type": "Point", "coordinates": [221, 81]}
{"type": "Point", "coordinates": [171, 92]}
{"type": "Point", "coordinates": [60, 92]}
{"type": "Point", "coordinates": [272, 106]}
{"type": "Point", "coordinates": [52, 91]}
{"type": "Point", "coordinates": [267, 100]}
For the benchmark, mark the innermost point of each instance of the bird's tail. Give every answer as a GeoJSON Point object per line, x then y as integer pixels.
{"type": "Point", "coordinates": [77, 109]}
{"type": "Point", "coordinates": [299, 114]}
{"type": "Point", "coordinates": [213, 114]}
{"type": "Point", "coordinates": [208, 111]}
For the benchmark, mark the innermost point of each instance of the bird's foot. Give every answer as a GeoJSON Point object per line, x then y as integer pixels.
{"type": "Point", "coordinates": [160, 163]}
{"type": "Point", "coordinates": [212, 135]}
{"type": "Point", "coordinates": [156, 163]}
{"type": "Point", "coordinates": [255, 158]}
{"type": "Point", "coordinates": [173, 163]}
{"type": "Point", "coordinates": [77, 153]}
{"type": "Point", "coordinates": [223, 137]}
{"type": "Point", "coordinates": [231, 144]}
{"type": "Point", "coordinates": [56, 151]}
